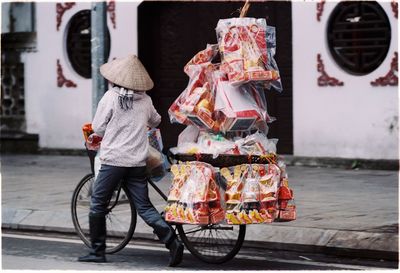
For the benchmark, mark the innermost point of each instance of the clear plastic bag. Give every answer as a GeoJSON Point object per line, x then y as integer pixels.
{"type": "Point", "coordinates": [256, 144]}
{"type": "Point", "coordinates": [194, 196]}
{"type": "Point", "coordinates": [195, 105]}
{"type": "Point", "coordinates": [285, 196]}
{"type": "Point", "coordinates": [215, 144]}
{"type": "Point", "coordinates": [243, 47]}
{"type": "Point", "coordinates": [271, 63]}
{"type": "Point", "coordinates": [155, 139]}
{"type": "Point", "coordinates": [239, 108]}
{"type": "Point", "coordinates": [251, 195]}
{"type": "Point", "coordinates": [155, 164]}
{"type": "Point", "coordinates": [93, 142]}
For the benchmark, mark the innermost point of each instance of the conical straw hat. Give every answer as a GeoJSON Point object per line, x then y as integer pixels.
{"type": "Point", "coordinates": [127, 72]}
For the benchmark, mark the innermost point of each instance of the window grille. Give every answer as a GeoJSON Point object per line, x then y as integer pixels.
{"type": "Point", "coordinates": [79, 45]}
{"type": "Point", "coordinates": [358, 36]}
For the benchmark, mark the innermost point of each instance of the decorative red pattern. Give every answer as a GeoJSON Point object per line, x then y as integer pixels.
{"type": "Point", "coordinates": [61, 80]}
{"type": "Point", "coordinates": [111, 10]}
{"type": "Point", "coordinates": [325, 79]}
{"type": "Point", "coordinates": [320, 9]}
{"type": "Point", "coordinates": [391, 77]}
{"type": "Point", "coordinates": [61, 9]}
{"type": "Point", "coordinates": [394, 5]}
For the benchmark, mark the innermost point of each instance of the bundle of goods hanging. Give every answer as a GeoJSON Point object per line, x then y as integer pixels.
{"type": "Point", "coordinates": [225, 110]}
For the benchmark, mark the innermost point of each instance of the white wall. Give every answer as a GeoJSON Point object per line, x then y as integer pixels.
{"type": "Point", "coordinates": [57, 114]}
{"type": "Point", "coordinates": [350, 121]}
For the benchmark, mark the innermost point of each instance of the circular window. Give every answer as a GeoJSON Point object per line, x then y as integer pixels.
{"type": "Point", "coordinates": [79, 45]}
{"type": "Point", "coordinates": [358, 36]}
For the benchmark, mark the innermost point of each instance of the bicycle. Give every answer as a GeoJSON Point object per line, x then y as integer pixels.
{"type": "Point", "coordinates": [212, 243]}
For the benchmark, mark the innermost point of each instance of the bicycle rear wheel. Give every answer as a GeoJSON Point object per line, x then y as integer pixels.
{"type": "Point", "coordinates": [120, 221]}
{"type": "Point", "coordinates": [213, 243]}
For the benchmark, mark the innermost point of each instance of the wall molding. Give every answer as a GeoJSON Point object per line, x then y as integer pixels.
{"type": "Point", "coordinates": [111, 11]}
{"type": "Point", "coordinates": [391, 78]}
{"type": "Point", "coordinates": [325, 79]}
{"type": "Point", "coordinates": [61, 8]}
{"type": "Point", "coordinates": [395, 7]}
{"type": "Point", "coordinates": [320, 9]}
{"type": "Point", "coordinates": [61, 80]}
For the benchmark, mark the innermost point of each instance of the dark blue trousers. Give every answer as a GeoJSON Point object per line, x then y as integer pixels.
{"type": "Point", "coordinates": [137, 185]}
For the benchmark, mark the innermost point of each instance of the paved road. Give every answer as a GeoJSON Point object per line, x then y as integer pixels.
{"type": "Point", "coordinates": [347, 211]}
{"type": "Point", "coordinates": [34, 251]}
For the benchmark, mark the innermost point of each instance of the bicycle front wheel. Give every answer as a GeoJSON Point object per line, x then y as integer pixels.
{"type": "Point", "coordinates": [120, 221]}
{"type": "Point", "coordinates": [213, 243]}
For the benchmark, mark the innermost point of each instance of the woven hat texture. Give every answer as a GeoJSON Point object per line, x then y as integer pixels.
{"type": "Point", "coordinates": [127, 72]}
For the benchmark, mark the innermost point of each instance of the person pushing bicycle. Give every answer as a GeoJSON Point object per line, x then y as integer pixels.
{"type": "Point", "coordinates": [122, 117]}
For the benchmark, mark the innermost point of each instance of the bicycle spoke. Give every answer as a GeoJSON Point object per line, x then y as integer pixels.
{"type": "Point", "coordinates": [213, 241]}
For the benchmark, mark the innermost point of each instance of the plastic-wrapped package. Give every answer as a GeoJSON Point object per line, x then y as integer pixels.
{"type": "Point", "coordinates": [194, 196]}
{"type": "Point", "coordinates": [156, 162]}
{"type": "Point", "coordinates": [195, 105]}
{"type": "Point", "coordinates": [238, 108]}
{"type": "Point", "coordinates": [93, 142]}
{"type": "Point", "coordinates": [189, 134]}
{"type": "Point", "coordinates": [155, 139]}
{"type": "Point", "coordinates": [256, 144]}
{"type": "Point", "coordinates": [286, 204]}
{"type": "Point", "coordinates": [215, 144]}
{"type": "Point", "coordinates": [243, 47]}
{"type": "Point", "coordinates": [202, 58]}
{"type": "Point", "coordinates": [251, 195]}
{"type": "Point", "coordinates": [187, 148]}
{"type": "Point", "coordinates": [87, 130]}
{"type": "Point", "coordinates": [206, 143]}
{"type": "Point", "coordinates": [271, 63]}
{"type": "Point", "coordinates": [197, 100]}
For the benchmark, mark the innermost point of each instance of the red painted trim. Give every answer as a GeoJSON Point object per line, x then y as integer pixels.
{"type": "Point", "coordinates": [61, 80]}
{"type": "Point", "coordinates": [390, 78]}
{"type": "Point", "coordinates": [320, 9]}
{"type": "Point", "coordinates": [394, 5]}
{"type": "Point", "coordinates": [325, 79]}
{"type": "Point", "coordinates": [111, 10]}
{"type": "Point", "coordinates": [61, 9]}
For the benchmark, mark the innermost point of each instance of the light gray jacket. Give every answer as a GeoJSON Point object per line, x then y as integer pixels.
{"type": "Point", "coordinates": [124, 132]}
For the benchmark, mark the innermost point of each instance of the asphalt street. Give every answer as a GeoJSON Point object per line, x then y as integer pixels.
{"type": "Point", "coordinates": [47, 251]}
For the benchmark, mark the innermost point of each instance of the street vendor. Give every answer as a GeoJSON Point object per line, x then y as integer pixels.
{"type": "Point", "coordinates": [122, 117]}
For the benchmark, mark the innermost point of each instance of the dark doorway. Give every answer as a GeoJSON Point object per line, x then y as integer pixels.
{"type": "Point", "coordinates": [171, 33]}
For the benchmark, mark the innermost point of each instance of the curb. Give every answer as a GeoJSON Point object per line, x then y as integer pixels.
{"type": "Point", "coordinates": [291, 160]}
{"type": "Point", "coordinates": [343, 163]}
{"type": "Point", "coordinates": [273, 237]}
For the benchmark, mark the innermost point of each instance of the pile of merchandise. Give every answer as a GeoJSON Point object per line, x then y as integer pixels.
{"type": "Point", "coordinates": [225, 110]}
{"type": "Point", "coordinates": [258, 193]}
{"type": "Point", "coordinates": [194, 197]}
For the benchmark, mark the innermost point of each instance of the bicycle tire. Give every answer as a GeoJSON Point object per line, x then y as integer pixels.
{"type": "Point", "coordinates": [116, 239]}
{"type": "Point", "coordinates": [213, 249]}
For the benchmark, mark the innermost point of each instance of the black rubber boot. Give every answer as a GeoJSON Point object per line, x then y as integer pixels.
{"type": "Point", "coordinates": [176, 252]}
{"type": "Point", "coordinates": [97, 226]}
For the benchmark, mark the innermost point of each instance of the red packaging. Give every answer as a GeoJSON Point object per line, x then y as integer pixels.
{"type": "Point", "coordinates": [87, 130]}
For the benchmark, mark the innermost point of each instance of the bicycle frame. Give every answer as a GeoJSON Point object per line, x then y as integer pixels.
{"type": "Point", "coordinates": [189, 234]}
{"type": "Point", "coordinates": [160, 192]}
{"type": "Point", "coordinates": [92, 155]}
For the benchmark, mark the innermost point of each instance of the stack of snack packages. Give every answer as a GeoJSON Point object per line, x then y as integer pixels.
{"type": "Point", "coordinates": [194, 197]}
{"type": "Point", "coordinates": [258, 193]}
{"type": "Point", "coordinates": [225, 96]}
